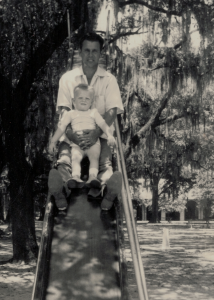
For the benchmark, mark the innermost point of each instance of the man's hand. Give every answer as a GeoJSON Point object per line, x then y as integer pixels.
{"type": "Point", "coordinates": [89, 138]}
{"type": "Point", "coordinates": [73, 136]}
{"type": "Point", "coordinates": [84, 140]}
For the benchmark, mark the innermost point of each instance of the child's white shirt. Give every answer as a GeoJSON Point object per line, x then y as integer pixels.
{"type": "Point", "coordinates": [81, 120]}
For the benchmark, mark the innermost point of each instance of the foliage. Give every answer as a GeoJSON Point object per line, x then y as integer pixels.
{"type": "Point", "coordinates": [41, 118]}
{"type": "Point", "coordinates": [166, 85]}
{"type": "Point", "coordinates": [204, 192]}
{"type": "Point", "coordinates": [29, 74]}
{"type": "Point", "coordinates": [24, 29]}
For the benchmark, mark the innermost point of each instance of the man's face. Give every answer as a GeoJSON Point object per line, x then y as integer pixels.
{"type": "Point", "coordinates": [90, 54]}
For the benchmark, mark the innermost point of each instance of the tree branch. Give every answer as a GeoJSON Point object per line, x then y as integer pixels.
{"type": "Point", "coordinates": [166, 188]}
{"type": "Point", "coordinates": [175, 47]}
{"type": "Point", "coordinates": [168, 120]}
{"type": "Point", "coordinates": [39, 58]}
{"type": "Point", "coordinates": [196, 161]}
{"type": "Point", "coordinates": [184, 40]}
{"type": "Point", "coordinates": [152, 7]}
{"type": "Point", "coordinates": [155, 116]}
{"type": "Point", "coordinates": [160, 66]}
{"type": "Point", "coordinates": [118, 36]}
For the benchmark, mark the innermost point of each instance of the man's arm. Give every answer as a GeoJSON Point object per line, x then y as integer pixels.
{"type": "Point", "coordinates": [63, 110]}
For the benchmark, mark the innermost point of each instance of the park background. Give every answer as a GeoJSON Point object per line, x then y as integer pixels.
{"type": "Point", "coordinates": [161, 53]}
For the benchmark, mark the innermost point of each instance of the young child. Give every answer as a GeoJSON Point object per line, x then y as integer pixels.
{"type": "Point", "coordinates": [83, 118]}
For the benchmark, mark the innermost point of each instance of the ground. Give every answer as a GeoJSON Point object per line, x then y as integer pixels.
{"type": "Point", "coordinates": [16, 280]}
{"type": "Point", "coordinates": [183, 271]}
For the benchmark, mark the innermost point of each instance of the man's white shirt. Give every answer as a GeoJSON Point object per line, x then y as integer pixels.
{"type": "Point", "coordinates": [107, 93]}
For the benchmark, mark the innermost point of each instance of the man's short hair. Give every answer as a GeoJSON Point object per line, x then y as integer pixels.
{"type": "Point", "coordinates": [92, 37]}
{"type": "Point", "coordinates": [85, 87]}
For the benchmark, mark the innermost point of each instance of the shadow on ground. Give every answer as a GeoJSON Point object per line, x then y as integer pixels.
{"type": "Point", "coordinates": [185, 271]}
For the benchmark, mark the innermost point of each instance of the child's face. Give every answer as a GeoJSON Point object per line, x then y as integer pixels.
{"type": "Point", "coordinates": [83, 99]}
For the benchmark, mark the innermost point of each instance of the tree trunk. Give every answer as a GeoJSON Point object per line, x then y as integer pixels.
{"type": "Point", "coordinates": [14, 104]}
{"type": "Point", "coordinates": [22, 212]}
{"type": "Point", "coordinates": [155, 181]}
{"type": "Point", "coordinates": [21, 190]}
{"type": "Point", "coordinates": [20, 175]}
{"type": "Point", "coordinates": [21, 182]}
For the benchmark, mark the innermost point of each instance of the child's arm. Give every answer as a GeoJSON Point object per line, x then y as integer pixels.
{"type": "Point", "coordinates": [105, 128]}
{"type": "Point", "coordinates": [59, 132]}
{"type": "Point", "coordinates": [57, 135]}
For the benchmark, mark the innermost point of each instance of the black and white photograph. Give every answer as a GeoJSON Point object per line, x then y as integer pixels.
{"type": "Point", "coordinates": [121, 209]}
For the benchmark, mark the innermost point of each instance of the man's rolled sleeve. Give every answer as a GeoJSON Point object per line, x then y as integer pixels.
{"type": "Point", "coordinates": [64, 96]}
{"type": "Point", "coordinates": [65, 120]}
{"type": "Point", "coordinates": [112, 96]}
{"type": "Point", "coordinates": [98, 118]}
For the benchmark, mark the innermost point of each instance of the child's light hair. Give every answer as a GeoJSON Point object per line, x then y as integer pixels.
{"type": "Point", "coordinates": [85, 87]}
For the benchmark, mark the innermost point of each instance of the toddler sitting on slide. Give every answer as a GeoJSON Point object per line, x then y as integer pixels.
{"type": "Point", "coordinates": [83, 118]}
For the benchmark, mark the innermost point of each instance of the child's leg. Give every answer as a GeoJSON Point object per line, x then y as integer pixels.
{"type": "Point", "coordinates": [76, 158]}
{"type": "Point", "coordinates": [93, 154]}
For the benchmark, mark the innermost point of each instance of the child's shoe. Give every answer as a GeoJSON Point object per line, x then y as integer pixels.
{"type": "Point", "coordinates": [75, 183]}
{"type": "Point", "coordinates": [93, 182]}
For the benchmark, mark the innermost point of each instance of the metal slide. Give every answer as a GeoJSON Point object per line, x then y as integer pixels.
{"type": "Point", "coordinates": [79, 256]}
{"type": "Point", "coordinates": [84, 260]}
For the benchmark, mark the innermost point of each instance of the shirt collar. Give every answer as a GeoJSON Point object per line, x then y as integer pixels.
{"type": "Point", "coordinates": [100, 72]}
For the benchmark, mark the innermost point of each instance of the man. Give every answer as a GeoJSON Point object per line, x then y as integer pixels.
{"type": "Point", "coordinates": [108, 103]}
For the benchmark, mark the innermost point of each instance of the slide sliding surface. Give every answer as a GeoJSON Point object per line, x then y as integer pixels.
{"type": "Point", "coordinates": [84, 260]}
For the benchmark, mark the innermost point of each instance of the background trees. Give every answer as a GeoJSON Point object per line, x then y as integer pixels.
{"type": "Point", "coordinates": [166, 77]}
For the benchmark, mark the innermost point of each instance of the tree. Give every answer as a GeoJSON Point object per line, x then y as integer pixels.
{"type": "Point", "coordinates": [203, 191]}
{"type": "Point", "coordinates": [165, 83]}
{"type": "Point", "coordinates": [32, 32]}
